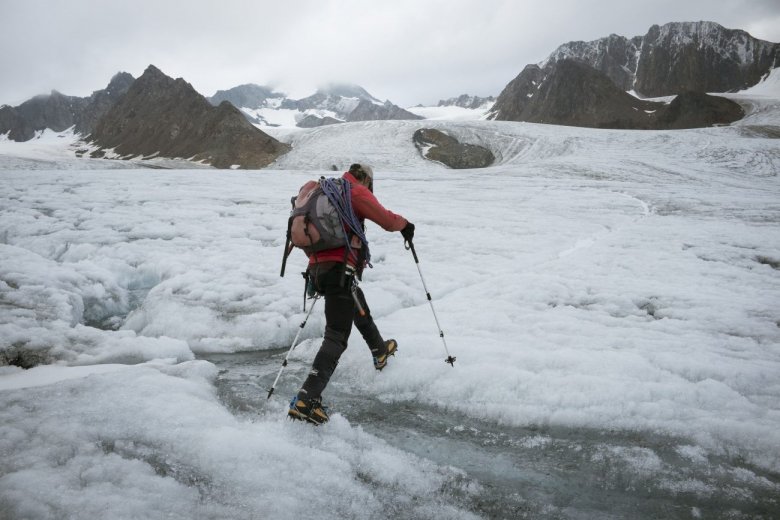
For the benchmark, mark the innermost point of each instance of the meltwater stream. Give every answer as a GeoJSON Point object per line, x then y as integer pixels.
{"type": "Point", "coordinates": [545, 473]}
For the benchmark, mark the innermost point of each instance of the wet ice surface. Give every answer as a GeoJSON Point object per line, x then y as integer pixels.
{"type": "Point", "coordinates": [529, 472]}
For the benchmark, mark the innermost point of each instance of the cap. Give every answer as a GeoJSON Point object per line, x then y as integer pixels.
{"type": "Point", "coordinates": [363, 173]}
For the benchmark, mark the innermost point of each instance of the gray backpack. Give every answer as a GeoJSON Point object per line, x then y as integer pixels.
{"type": "Point", "coordinates": [322, 218]}
{"type": "Point", "coordinates": [315, 224]}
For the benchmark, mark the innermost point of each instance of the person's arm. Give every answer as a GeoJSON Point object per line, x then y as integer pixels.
{"type": "Point", "coordinates": [367, 206]}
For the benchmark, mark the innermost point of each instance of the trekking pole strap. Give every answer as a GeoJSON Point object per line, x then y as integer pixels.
{"type": "Point", "coordinates": [285, 254]}
{"type": "Point", "coordinates": [288, 247]}
{"type": "Point", "coordinates": [408, 244]}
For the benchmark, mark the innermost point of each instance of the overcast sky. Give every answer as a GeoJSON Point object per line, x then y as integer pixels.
{"type": "Point", "coordinates": [407, 51]}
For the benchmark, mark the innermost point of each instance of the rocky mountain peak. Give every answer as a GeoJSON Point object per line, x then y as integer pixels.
{"type": "Point", "coordinates": [162, 116]}
{"type": "Point", "coordinates": [571, 92]}
{"type": "Point", "coordinates": [153, 78]}
{"type": "Point", "coordinates": [467, 101]}
{"type": "Point", "coordinates": [54, 110]}
{"type": "Point", "coordinates": [248, 95]}
{"type": "Point", "coordinates": [346, 90]}
{"type": "Point", "coordinates": [119, 83]}
{"type": "Point", "coordinates": [616, 56]}
{"type": "Point", "coordinates": [330, 104]}
{"type": "Point", "coordinates": [340, 99]}
{"type": "Point", "coordinates": [701, 56]}
{"type": "Point", "coordinates": [676, 57]}
{"type": "Point", "coordinates": [682, 33]}
{"type": "Point", "coordinates": [101, 101]}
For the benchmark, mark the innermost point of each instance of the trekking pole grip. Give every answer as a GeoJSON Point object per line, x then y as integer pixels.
{"type": "Point", "coordinates": [408, 244]}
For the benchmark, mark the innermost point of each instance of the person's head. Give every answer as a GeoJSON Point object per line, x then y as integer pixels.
{"type": "Point", "coordinates": [364, 175]}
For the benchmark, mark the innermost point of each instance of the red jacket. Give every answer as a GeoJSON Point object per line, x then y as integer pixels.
{"type": "Point", "coordinates": [366, 206]}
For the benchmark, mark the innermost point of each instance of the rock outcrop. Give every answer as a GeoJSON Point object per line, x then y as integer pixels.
{"type": "Point", "coordinates": [437, 146]}
{"type": "Point", "coordinates": [696, 110]}
{"type": "Point", "coordinates": [371, 111]}
{"type": "Point", "coordinates": [160, 116]}
{"type": "Point", "coordinates": [312, 121]}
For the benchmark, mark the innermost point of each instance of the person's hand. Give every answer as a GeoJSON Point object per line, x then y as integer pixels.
{"type": "Point", "coordinates": [408, 232]}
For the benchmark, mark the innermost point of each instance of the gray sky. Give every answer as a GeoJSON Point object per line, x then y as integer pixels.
{"type": "Point", "coordinates": [408, 51]}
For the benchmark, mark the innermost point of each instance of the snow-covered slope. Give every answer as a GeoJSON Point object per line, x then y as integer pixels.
{"type": "Point", "coordinates": [762, 104]}
{"type": "Point", "coordinates": [609, 295]}
{"type": "Point", "coordinates": [768, 87]}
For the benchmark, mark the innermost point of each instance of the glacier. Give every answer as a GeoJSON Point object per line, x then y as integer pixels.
{"type": "Point", "coordinates": [611, 297]}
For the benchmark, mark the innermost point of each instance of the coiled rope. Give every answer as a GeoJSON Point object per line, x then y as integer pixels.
{"type": "Point", "coordinates": [341, 198]}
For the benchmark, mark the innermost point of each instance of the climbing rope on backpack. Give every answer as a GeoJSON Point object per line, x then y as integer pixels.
{"type": "Point", "coordinates": [342, 202]}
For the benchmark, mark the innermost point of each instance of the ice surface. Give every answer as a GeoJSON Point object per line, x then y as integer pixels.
{"type": "Point", "coordinates": [152, 441]}
{"type": "Point", "coordinates": [592, 279]}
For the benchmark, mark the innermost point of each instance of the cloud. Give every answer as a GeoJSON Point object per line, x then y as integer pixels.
{"type": "Point", "coordinates": [407, 51]}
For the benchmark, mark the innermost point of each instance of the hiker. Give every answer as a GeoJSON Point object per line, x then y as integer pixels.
{"type": "Point", "coordinates": [333, 273]}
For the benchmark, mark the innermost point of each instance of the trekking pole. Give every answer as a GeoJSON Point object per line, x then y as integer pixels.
{"type": "Point", "coordinates": [292, 347]}
{"type": "Point", "coordinates": [408, 244]}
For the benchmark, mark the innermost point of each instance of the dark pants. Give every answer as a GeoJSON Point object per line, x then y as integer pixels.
{"type": "Point", "coordinates": [340, 313]}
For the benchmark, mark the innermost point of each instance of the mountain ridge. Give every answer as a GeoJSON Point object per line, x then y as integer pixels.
{"type": "Point", "coordinates": [162, 116]}
{"type": "Point", "coordinates": [676, 57]}
{"type": "Point", "coordinates": [570, 92]}
{"type": "Point", "coordinates": [58, 111]}
{"type": "Point", "coordinates": [687, 59]}
{"type": "Point", "coordinates": [467, 101]}
{"type": "Point", "coordinates": [330, 104]}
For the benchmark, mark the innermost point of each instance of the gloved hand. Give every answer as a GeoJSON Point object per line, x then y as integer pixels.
{"type": "Point", "coordinates": [408, 232]}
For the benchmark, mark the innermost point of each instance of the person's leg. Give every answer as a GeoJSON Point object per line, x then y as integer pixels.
{"type": "Point", "coordinates": [380, 349]}
{"type": "Point", "coordinates": [368, 329]}
{"type": "Point", "coordinates": [338, 324]}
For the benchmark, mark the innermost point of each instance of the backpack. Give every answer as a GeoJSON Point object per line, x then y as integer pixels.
{"type": "Point", "coordinates": [315, 224]}
{"type": "Point", "coordinates": [322, 218]}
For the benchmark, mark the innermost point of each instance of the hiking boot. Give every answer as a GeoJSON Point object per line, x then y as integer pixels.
{"type": "Point", "coordinates": [310, 410]}
{"type": "Point", "coordinates": [380, 362]}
